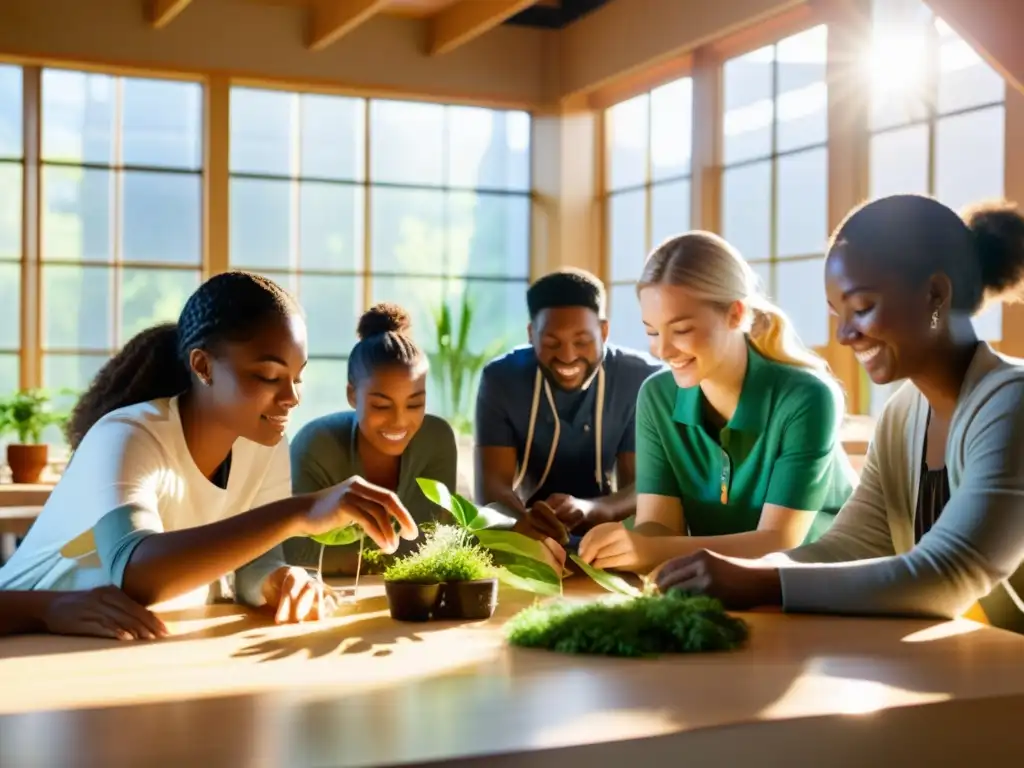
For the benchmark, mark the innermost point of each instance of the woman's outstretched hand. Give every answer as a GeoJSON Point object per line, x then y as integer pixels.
{"type": "Point", "coordinates": [739, 584]}
{"type": "Point", "coordinates": [295, 597]}
{"type": "Point", "coordinates": [369, 506]}
{"type": "Point", "coordinates": [101, 612]}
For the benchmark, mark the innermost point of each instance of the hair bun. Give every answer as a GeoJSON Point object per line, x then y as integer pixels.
{"type": "Point", "coordinates": [998, 230]}
{"type": "Point", "coordinates": [383, 318]}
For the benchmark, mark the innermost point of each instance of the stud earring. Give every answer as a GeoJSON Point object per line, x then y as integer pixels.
{"type": "Point", "coordinates": [205, 380]}
{"type": "Point", "coordinates": [935, 319]}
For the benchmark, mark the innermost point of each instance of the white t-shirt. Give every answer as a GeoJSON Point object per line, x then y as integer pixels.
{"type": "Point", "coordinates": [133, 476]}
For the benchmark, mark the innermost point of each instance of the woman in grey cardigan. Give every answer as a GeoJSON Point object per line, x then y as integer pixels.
{"type": "Point", "coordinates": [388, 438]}
{"type": "Point", "coordinates": [937, 521]}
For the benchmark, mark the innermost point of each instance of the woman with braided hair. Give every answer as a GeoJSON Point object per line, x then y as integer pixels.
{"type": "Point", "coordinates": [180, 472]}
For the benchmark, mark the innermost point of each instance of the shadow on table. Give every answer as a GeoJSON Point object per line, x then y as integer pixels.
{"type": "Point", "coordinates": [375, 634]}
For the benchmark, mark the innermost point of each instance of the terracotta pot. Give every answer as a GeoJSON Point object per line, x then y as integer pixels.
{"type": "Point", "coordinates": [468, 600]}
{"type": "Point", "coordinates": [408, 601]}
{"type": "Point", "coordinates": [27, 462]}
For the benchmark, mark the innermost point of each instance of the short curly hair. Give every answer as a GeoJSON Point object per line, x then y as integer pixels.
{"type": "Point", "coordinates": [154, 363]}
{"type": "Point", "coordinates": [566, 288]}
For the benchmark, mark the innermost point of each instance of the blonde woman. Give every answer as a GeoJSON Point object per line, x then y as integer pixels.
{"type": "Point", "coordinates": [737, 447]}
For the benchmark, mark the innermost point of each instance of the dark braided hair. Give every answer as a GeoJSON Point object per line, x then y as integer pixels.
{"type": "Point", "coordinates": [155, 362]}
{"type": "Point", "coordinates": [384, 339]}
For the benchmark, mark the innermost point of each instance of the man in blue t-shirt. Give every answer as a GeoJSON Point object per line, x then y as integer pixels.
{"type": "Point", "coordinates": [542, 411]}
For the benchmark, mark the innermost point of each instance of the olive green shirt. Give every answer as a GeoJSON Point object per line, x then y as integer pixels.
{"type": "Point", "coordinates": [781, 446]}
{"type": "Point", "coordinates": [325, 453]}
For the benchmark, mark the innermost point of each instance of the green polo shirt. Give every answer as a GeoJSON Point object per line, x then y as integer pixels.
{"type": "Point", "coordinates": [781, 446]}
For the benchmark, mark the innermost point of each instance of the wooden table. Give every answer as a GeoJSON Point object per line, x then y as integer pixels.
{"type": "Point", "coordinates": [360, 689]}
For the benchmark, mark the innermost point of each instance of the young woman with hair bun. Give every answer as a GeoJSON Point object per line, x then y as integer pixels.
{"type": "Point", "coordinates": [737, 443]}
{"type": "Point", "coordinates": [387, 438]}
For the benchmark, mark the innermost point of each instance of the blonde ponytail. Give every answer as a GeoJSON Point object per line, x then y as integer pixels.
{"type": "Point", "coordinates": [772, 334]}
{"type": "Point", "coordinates": [714, 270]}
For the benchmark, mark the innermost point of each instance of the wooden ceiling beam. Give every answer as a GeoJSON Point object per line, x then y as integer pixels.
{"type": "Point", "coordinates": [330, 20]}
{"type": "Point", "coordinates": [163, 12]}
{"type": "Point", "coordinates": [467, 20]}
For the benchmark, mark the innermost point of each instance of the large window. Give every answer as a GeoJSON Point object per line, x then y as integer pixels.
{"type": "Point", "coordinates": [11, 166]}
{"type": "Point", "coordinates": [775, 173]}
{"type": "Point", "coordinates": [348, 202]}
{"type": "Point", "coordinates": [648, 181]}
{"type": "Point", "coordinates": [121, 213]}
{"type": "Point", "coordinates": [937, 122]}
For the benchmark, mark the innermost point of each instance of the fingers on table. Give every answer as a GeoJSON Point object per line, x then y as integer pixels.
{"type": "Point", "coordinates": [304, 599]}
{"type": "Point", "coordinates": [130, 615]}
{"type": "Point", "coordinates": [101, 626]}
{"type": "Point", "coordinates": [684, 573]}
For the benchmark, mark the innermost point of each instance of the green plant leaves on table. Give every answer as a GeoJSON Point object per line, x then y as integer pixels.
{"type": "Point", "coordinates": [522, 577]}
{"type": "Point", "coordinates": [465, 512]}
{"type": "Point", "coordinates": [516, 544]}
{"type": "Point", "coordinates": [609, 581]}
{"type": "Point", "coordinates": [525, 563]}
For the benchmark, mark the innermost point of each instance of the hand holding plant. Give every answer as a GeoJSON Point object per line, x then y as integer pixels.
{"type": "Point", "coordinates": [371, 508]}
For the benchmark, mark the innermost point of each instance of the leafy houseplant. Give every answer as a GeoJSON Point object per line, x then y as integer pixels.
{"type": "Point", "coordinates": [521, 562]}
{"type": "Point", "coordinates": [26, 414]}
{"type": "Point", "coordinates": [455, 366]}
{"type": "Point", "coordinates": [447, 577]}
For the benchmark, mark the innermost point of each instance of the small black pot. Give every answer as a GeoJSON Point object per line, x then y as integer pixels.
{"type": "Point", "coordinates": [409, 601]}
{"type": "Point", "coordinates": [467, 600]}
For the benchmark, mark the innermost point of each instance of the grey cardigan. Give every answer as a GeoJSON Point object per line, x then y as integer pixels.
{"type": "Point", "coordinates": [867, 562]}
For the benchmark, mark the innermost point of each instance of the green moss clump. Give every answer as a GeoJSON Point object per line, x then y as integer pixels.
{"type": "Point", "coordinates": [447, 554]}
{"type": "Point", "coordinates": [638, 627]}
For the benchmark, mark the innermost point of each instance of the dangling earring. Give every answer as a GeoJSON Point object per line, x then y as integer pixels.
{"type": "Point", "coordinates": [935, 319]}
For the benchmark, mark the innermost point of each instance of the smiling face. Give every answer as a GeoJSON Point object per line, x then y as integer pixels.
{"type": "Point", "coordinates": [885, 319]}
{"type": "Point", "coordinates": [254, 384]}
{"type": "Point", "coordinates": [569, 343]}
{"type": "Point", "coordinates": [390, 406]}
{"type": "Point", "coordinates": [690, 334]}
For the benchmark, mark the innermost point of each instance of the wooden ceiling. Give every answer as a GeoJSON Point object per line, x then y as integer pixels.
{"type": "Point", "coordinates": [452, 22]}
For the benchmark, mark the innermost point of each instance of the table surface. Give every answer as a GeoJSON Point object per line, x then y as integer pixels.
{"type": "Point", "coordinates": [230, 688]}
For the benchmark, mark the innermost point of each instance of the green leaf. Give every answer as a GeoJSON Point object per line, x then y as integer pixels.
{"type": "Point", "coordinates": [461, 508]}
{"type": "Point", "coordinates": [339, 536]}
{"type": "Point", "coordinates": [440, 495]}
{"type": "Point", "coordinates": [609, 581]}
{"type": "Point", "coordinates": [528, 569]}
{"type": "Point", "coordinates": [527, 584]}
{"type": "Point", "coordinates": [484, 517]}
{"type": "Point", "coordinates": [518, 544]}
{"type": "Point", "coordinates": [467, 510]}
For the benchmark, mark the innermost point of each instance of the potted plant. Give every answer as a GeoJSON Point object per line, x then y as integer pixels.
{"type": "Point", "coordinates": [520, 562]}
{"type": "Point", "coordinates": [25, 414]}
{"type": "Point", "coordinates": [447, 577]}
